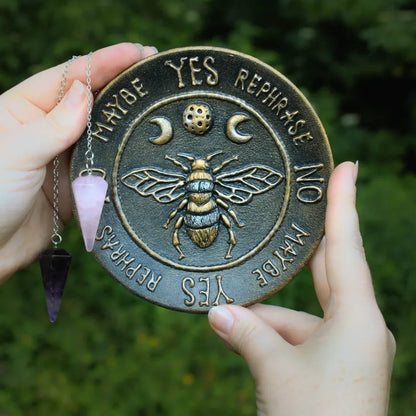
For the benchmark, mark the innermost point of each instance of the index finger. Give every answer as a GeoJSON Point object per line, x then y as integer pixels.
{"type": "Point", "coordinates": [41, 89]}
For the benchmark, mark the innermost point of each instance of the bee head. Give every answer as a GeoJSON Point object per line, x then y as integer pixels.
{"type": "Point", "coordinates": [200, 164]}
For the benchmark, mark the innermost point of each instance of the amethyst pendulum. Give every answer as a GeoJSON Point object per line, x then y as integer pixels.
{"type": "Point", "coordinates": [55, 262]}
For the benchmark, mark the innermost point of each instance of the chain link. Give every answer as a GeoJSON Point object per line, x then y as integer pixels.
{"type": "Point", "coordinates": [56, 237]}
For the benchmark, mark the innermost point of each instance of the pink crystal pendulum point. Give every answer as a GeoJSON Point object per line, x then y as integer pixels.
{"type": "Point", "coordinates": [89, 194]}
{"type": "Point", "coordinates": [89, 190]}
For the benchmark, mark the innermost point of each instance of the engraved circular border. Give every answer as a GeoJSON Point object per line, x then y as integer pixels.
{"type": "Point", "coordinates": [132, 233]}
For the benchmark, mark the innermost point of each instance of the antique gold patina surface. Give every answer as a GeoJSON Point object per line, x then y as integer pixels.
{"type": "Point", "coordinates": [217, 168]}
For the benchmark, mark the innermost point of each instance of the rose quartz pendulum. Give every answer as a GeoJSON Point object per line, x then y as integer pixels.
{"type": "Point", "coordinates": [89, 194]}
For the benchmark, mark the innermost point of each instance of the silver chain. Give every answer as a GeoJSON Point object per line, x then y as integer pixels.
{"type": "Point", "coordinates": [89, 155]}
{"type": "Point", "coordinates": [56, 237]}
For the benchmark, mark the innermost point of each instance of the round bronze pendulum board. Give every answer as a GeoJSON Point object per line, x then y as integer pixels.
{"type": "Point", "coordinates": [217, 169]}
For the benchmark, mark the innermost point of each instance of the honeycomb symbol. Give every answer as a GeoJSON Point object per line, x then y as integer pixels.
{"type": "Point", "coordinates": [197, 118]}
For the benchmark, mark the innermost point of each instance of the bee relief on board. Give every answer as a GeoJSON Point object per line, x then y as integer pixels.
{"type": "Point", "coordinates": [205, 194]}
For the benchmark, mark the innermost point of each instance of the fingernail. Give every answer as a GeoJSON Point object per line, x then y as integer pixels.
{"type": "Point", "coordinates": [75, 95]}
{"type": "Point", "coordinates": [154, 48]}
{"type": "Point", "coordinates": [139, 47]}
{"type": "Point", "coordinates": [221, 319]}
{"type": "Point", "coordinates": [356, 171]}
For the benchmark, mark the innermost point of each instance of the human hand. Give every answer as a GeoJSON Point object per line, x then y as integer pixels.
{"type": "Point", "coordinates": [305, 365]}
{"type": "Point", "coordinates": [33, 130]}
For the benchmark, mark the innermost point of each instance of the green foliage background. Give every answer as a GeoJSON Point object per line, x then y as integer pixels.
{"type": "Point", "coordinates": [111, 353]}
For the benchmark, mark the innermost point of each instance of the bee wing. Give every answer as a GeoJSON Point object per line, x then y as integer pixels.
{"type": "Point", "coordinates": [240, 185]}
{"type": "Point", "coordinates": [165, 187]}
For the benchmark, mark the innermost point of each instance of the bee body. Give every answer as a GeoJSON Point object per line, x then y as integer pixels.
{"type": "Point", "coordinates": [203, 195]}
{"type": "Point", "coordinates": [201, 213]}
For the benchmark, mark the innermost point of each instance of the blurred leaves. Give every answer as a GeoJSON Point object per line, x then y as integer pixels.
{"type": "Point", "coordinates": [111, 353]}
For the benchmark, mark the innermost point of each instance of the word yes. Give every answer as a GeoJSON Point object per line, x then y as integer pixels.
{"type": "Point", "coordinates": [192, 67]}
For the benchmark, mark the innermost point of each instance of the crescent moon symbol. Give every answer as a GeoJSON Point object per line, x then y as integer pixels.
{"type": "Point", "coordinates": [232, 132]}
{"type": "Point", "coordinates": [166, 130]}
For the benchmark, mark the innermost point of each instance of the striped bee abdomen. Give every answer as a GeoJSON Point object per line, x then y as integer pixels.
{"type": "Point", "coordinates": [202, 214]}
{"type": "Point", "coordinates": [199, 220]}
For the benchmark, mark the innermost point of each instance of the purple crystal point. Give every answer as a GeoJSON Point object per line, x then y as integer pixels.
{"type": "Point", "coordinates": [89, 194]}
{"type": "Point", "coordinates": [54, 266]}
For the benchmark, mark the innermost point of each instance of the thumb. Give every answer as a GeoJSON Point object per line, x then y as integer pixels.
{"type": "Point", "coordinates": [348, 274]}
{"type": "Point", "coordinates": [39, 141]}
{"type": "Point", "coordinates": [248, 335]}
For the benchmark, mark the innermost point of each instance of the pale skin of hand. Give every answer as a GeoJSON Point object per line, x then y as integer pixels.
{"type": "Point", "coordinates": [33, 130]}
{"type": "Point", "coordinates": [304, 365]}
